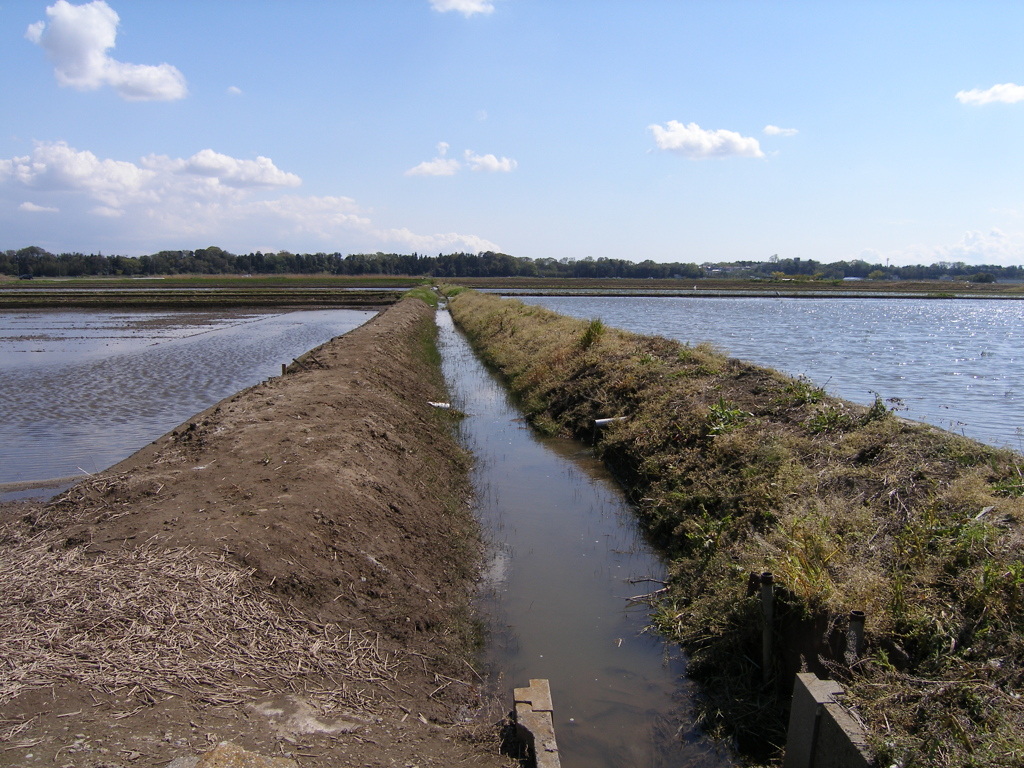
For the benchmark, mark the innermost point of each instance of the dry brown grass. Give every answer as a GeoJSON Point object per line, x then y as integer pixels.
{"type": "Point", "coordinates": [738, 469]}
{"type": "Point", "coordinates": [147, 621]}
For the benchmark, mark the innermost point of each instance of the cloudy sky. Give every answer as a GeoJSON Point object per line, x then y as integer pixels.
{"type": "Point", "coordinates": [675, 131]}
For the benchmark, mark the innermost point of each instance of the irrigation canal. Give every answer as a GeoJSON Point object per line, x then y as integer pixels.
{"type": "Point", "coordinates": [565, 552]}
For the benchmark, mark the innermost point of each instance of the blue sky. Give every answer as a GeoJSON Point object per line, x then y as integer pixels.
{"type": "Point", "coordinates": [675, 131]}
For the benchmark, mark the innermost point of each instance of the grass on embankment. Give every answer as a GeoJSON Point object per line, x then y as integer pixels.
{"type": "Point", "coordinates": [737, 469]}
{"type": "Point", "coordinates": [199, 292]}
{"type": "Point", "coordinates": [714, 287]}
{"type": "Point", "coordinates": [424, 293]}
{"type": "Point", "coordinates": [198, 300]}
{"type": "Point", "coordinates": [200, 281]}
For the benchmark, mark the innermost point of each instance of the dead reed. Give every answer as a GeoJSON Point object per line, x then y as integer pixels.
{"type": "Point", "coordinates": [147, 621]}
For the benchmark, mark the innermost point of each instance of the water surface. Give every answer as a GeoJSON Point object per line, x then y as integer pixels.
{"type": "Point", "coordinates": [82, 390]}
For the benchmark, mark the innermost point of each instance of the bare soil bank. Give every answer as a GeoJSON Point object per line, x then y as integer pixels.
{"type": "Point", "coordinates": [290, 570]}
{"type": "Point", "coordinates": [737, 470]}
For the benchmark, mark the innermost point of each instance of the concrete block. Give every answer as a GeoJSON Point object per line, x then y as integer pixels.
{"type": "Point", "coordinates": [841, 741]}
{"type": "Point", "coordinates": [822, 733]}
{"type": "Point", "coordinates": [534, 720]}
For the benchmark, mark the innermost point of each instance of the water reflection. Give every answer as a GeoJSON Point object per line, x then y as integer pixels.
{"type": "Point", "coordinates": [81, 391]}
{"type": "Point", "coordinates": [565, 551]}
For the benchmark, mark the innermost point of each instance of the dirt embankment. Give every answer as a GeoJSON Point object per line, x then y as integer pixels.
{"type": "Point", "coordinates": [290, 570]}
{"type": "Point", "coordinates": [737, 470]}
{"type": "Point", "coordinates": [214, 297]}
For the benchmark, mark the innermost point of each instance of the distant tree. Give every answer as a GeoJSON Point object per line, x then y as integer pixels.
{"type": "Point", "coordinates": [214, 260]}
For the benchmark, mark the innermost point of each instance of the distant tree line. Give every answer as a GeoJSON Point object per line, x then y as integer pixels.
{"type": "Point", "coordinates": [809, 269]}
{"type": "Point", "coordinates": [38, 262]}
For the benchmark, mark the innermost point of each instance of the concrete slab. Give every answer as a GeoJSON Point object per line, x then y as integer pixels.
{"type": "Point", "coordinates": [822, 733]}
{"type": "Point", "coordinates": [841, 742]}
{"type": "Point", "coordinates": [535, 724]}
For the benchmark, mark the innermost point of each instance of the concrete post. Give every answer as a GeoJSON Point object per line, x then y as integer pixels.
{"type": "Point", "coordinates": [854, 637]}
{"type": "Point", "coordinates": [768, 613]}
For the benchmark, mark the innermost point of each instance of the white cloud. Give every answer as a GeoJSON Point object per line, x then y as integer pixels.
{"type": "Point", "coordinates": [466, 7]}
{"type": "Point", "coordinates": [58, 167]}
{"type": "Point", "coordinates": [231, 171]}
{"type": "Point", "coordinates": [164, 202]}
{"type": "Point", "coordinates": [439, 166]}
{"type": "Point", "coordinates": [34, 33]}
{"type": "Point", "coordinates": [234, 90]}
{"type": "Point", "coordinates": [33, 208]}
{"type": "Point", "coordinates": [1007, 93]}
{"type": "Point", "coordinates": [77, 39]}
{"type": "Point", "coordinates": [489, 163]}
{"type": "Point", "coordinates": [694, 142]}
{"type": "Point", "coordinates": [445, 241]}
{"type": "Point", "coordinates": [326, 219]}
{"type": "Point", "coordinates": [975, 247]}
{"type": "Point", "coordinates": [774, 130]}
{"type": "Point", "coordinates": [447, 166]}
{"type": "Point", "coordinates": [320, 216]}
{"type": "Point", "coordinates": [993, 247]}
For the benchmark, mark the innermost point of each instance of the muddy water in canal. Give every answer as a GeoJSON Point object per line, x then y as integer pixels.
{"type": "Point", "coordinates": [565, 557]}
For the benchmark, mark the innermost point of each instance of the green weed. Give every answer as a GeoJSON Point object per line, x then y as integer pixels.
{"type": "Point", "coordinates": [1012, 487]}
{"type": "Point", "coordinates": [876, 411]}
{"type": "Point", "coordinates": [802, 391]}
{"type": "Point", "coordinates": [829, 419]}
{"type": "Point", "coordinates": [592, 334]}
{"type": "Point", "coordinates": [424, 293]}
{"type": "Point", "coordinates": [723, 418]}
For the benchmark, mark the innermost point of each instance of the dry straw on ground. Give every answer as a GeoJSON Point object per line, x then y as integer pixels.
{"type": "Point", "coordinates": [147, 621]}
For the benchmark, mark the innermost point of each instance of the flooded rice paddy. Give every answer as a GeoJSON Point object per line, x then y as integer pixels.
{"type": "Point", "coordinates": [80, 391]}
{"type": "Point", "coordinates": [565, 557]}
{"type": "Point", "coordinates": [956, 364]}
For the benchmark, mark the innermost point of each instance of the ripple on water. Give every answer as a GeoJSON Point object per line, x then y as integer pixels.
{"type": "Point", "coordinates": [103, 384]}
